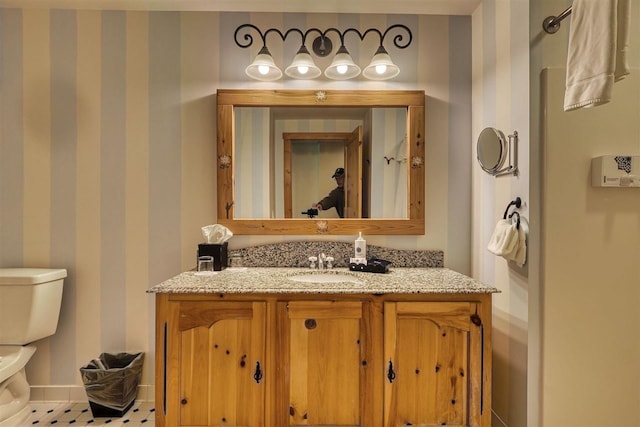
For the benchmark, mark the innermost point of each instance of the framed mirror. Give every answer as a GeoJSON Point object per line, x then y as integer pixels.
{"type": "Point", "coordinates": [255, 182]}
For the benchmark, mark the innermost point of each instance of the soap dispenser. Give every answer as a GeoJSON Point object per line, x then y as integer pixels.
{"type": "Point", "coordinates": [360, 247]}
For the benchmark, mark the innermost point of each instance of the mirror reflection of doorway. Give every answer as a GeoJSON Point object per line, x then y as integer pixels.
{"type": "Point", "coordinates": [310, 160]}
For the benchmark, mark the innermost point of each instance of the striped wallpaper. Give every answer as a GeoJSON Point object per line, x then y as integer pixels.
{"type": "Point", "coordinates": [500, 94]}
{"type": "Point", "coordinates": [107, 146]}
{"type": "Point", "coordinates": [389, 178]}
{"type": "Point", "coordinates": [252, 159]}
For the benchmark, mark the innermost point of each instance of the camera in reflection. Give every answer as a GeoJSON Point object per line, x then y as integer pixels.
{"type": "Point", "coordinates": [311, 212]}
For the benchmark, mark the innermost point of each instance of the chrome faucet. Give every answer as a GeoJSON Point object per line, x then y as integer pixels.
{"type": "Point", "coordinates": [328, 263]}
{"type": "Point", "coordinates": [322, 259]}
{"type": "Point", "coordinates": [324, 262]}
{"type": "Point", "coordinates": [312, 261]}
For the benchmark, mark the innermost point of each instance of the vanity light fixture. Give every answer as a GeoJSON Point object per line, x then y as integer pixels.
{"type": "Point", "coordinates": [263, 68]}
{"type": "Point", "coordinates": [381, 66]}
{"type": "Point", "coordinates": [342, 67]}
{"type": "Point", "coordinates": [303, 66]}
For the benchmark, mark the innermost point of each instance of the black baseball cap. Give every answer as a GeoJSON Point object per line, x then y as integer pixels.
{"type": "Point", "coordinates": [338, 172]}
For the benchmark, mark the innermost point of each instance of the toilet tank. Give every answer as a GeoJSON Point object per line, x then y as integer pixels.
{"type": "Point", "coordinates": [30, 301]}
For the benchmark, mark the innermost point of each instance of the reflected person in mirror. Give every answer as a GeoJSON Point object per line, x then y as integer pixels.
{"type": "Point", "coordinates": [335, 199]}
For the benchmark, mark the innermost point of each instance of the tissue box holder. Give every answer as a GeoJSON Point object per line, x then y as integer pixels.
{"type": "Point", "coordinates": [219, 252]}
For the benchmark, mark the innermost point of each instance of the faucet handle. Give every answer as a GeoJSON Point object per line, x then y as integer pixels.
{"type": "Point", "coordinates": [312, 261]}
{"type": "Point", "coordinates": [329, 262]}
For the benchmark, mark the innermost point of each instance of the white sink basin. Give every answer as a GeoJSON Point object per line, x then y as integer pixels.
{"type": "Point", "coordinates": [324, 278]}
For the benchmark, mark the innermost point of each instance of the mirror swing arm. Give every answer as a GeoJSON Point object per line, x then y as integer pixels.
{"type": "Point", "coordinates": [414, 101]}
{"type": "Point", "coordinates": [512, 148]}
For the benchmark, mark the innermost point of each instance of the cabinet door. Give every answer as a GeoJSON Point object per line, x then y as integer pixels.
{"type": "Point", "coordinates": [428, 369]}
{"type": "Point", "coordinates": [323, 349]}
{"type": "Point", "coordinates": [221, 366]}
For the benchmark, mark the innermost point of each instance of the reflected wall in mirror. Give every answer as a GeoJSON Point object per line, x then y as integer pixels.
{"type": "Point", "coordinates": [277, 152]}
{"type": "Point", "coordinates": [291, 154]}
{"type": "Point", "coordinates": [309, 158]}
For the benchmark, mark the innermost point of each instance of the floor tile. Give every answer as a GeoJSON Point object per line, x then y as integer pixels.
{"type": "Point", "coordinates": [78, 414]}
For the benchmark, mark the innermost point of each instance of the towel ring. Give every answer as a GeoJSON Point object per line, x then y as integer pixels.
{"type": "Point", "coordinates": [517, 203]}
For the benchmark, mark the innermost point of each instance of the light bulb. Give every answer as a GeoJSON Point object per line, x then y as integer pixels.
{"type": "Point", "coordinates": [302, 66]}
{"type": "Point", "coordinates": [263, 69]}
{"type": "Point", "coordinates": [380, 69]}
{"type": "Point", "coordinates": [342, 67]}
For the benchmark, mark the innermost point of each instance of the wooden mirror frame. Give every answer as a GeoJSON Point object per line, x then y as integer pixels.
{"type": "Point", "coordinates": [412, 100]}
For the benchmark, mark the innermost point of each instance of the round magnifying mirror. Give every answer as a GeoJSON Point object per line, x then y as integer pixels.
{"type": "Point", "coordinates": [491, 150]}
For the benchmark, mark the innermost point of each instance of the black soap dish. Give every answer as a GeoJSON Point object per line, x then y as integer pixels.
{"type": "Point", "coordinates": [374, 265]}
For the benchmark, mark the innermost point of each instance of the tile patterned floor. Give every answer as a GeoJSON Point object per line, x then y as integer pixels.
{"type": "Point", "coordinates": [78, 414]}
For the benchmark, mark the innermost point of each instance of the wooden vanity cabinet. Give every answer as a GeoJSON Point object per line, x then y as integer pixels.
{"type": "Point", "coordinates": [214, 358]}
{"type": "Point", "coordinates": [338, 360]}
{"type": "Point", "coordinates": [433, 357]}
{"type": "Point", "coordinates": [321, 355]}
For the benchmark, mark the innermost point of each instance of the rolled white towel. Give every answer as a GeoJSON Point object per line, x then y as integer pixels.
{"type": "Point", "coordinates": [504, 238]}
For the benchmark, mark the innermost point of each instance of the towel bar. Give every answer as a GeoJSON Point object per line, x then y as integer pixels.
{"type": "Point", "coordinates": [551, 24]}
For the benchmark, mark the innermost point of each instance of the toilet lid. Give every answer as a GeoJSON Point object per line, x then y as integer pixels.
{"type": "Point", "coordinates": [30, 276]}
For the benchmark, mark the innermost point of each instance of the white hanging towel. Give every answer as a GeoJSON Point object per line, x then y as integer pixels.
{"type": "Point", "coordinates": [597, 56]}
{"type": "Point", "coordinates": [519, 253]}
{"type": "Point", "coordinates": [504, 238]}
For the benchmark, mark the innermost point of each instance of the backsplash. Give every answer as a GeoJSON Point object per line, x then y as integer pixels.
{"type": "Point", "coordinates": [296, 254]}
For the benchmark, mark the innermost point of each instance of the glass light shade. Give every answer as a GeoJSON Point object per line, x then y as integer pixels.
{"type": "Point", "coordinates": [342, 67]}
{"type": "Point", "coordinates": [381, 67]}
{"type": "Point", "coordinates": [263, 68]}
{"type": "Point", "coordinates": [303, 66]}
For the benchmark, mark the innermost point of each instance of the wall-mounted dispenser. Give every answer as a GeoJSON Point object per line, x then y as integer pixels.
{"type": "Point", "coordinates": [615, 171]}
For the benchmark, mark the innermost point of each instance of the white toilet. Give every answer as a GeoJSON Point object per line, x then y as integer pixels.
{"type": "Point", "coordinates": [29, 309]}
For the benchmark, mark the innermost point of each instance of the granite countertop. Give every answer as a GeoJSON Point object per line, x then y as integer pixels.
{"type": "Point", "coordinates": [276, 280]}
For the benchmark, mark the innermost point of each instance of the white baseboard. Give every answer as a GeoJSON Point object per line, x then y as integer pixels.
{"type": "Point", "coordinates": [76, 393]}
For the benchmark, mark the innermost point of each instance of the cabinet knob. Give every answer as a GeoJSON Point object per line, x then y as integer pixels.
{"type": "Point", "coordinates": [183, 401]}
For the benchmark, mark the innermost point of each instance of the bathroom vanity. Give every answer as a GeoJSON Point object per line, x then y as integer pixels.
{"type": "Point", "coordinates": [276, 347]}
